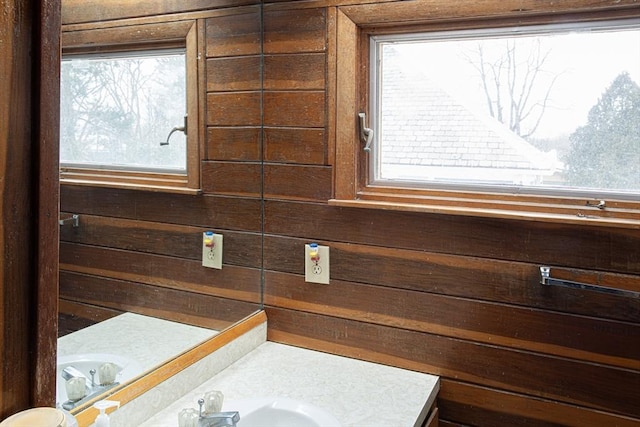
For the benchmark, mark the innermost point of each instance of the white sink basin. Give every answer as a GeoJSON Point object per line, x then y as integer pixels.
{"type": "Point", "coordinates": [280, 412]}
{"type": "Point", "coordinates": [127, 368]}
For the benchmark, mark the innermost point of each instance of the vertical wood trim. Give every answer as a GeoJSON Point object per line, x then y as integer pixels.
{"type": "Point", "coordinates": [202, 98]}
{"type": "Point", "coordinates": [331, 89]}
{"type": "Point", "coordinates": [47, 229]}
{"type": "Point", "coordinates": [15, 207]}
{"type": "Point", "coordinates": [345, 124]}
{"type": "Point", "coordinates": [193, 107]}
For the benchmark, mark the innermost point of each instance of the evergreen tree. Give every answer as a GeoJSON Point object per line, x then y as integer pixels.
{"type": "Point", "coordinates": [605, 153]}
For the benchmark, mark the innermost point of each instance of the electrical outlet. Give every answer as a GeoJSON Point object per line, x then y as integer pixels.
{"type": "Point", "coordinates": [316, 264]}
{"type": "Point", "coordinates": [212, 250]}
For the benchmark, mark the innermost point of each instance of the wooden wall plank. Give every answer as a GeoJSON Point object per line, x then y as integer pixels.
{"type": "Point", "coordinates": [234, 109]}
{"type": "Point", "coordinates": [232, 282]}
{"type": "Point", "coordinates": [295, 145]}
{"type": "Point", "coordinates": [232, 178]}
{"type": "Point", "coordinates": [480, 321]}
{"type": "Point", "coordinates": [234, 74]}
{"type": "Point", "coordinates": [301, 31]}
{"type": "Point", "coordinates": [180, 305]}
{"type": "Point", "coordinates": [233, 35]}
{"type": "Point", "coordinates": [569, 381]}
{"type": "Point", "coordinates": [296, 109]}
{"type": "Point", "coordinates": [468, 277]}
{"type": "Point", "coordinates": [160, 238]}
{"type": "Point", "coordinates": [301, 71]}
{"type": "Point", "coordinates": [234, 143]}
{"type": "Point", "coordinates": [561, 245]}
{"type": "Point", "coordinates": [472, 404]}
{"type": "Point", "coordinates": [413, 11]}
{"type": "Point", "coordinates": [297, 182]}
{"type": "Point", "coordinates": [221, 212]}
{"type": "Point", "coordinates": [74, 316]}
{"type": "Point", "coordinates": [79, 11]}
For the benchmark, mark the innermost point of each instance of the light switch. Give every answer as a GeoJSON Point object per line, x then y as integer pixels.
{"type": "Point", "coordinates": [316, 264]}
{"type": "Point", "coordinates": [212, 250]}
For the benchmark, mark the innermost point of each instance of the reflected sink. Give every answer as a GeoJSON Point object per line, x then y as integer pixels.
{"type": "Point", "coordinates": [280, 412]}
{"type": "Point", "coordinates": [127, 369]}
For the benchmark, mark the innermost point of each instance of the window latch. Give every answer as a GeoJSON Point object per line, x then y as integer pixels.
{"type": "Point", "coordinates": [182, 129]}
{"type": "Point", "coordinates": [366, 134]}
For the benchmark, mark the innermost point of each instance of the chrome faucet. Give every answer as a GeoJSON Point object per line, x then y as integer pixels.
{"type": "Point", "coordinates": [217, 419]}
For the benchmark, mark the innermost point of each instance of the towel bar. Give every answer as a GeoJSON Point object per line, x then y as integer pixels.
{"type": "Point", "coordinates": [546, 279]}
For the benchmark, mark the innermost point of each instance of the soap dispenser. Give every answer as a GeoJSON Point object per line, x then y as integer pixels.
{"type": "Point", "coordinates": [102, 420]}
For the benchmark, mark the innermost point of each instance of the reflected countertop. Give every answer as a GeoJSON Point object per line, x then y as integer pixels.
{"type": "Point", "coordinates": [148, 340]}
{"type": "Point", "coordinates": [356, 392]}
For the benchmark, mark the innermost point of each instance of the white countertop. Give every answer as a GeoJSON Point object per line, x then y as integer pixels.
{"type": "Point", "coordinates": [357, 393]}
{"type": "Point", "coordinates": [147, 340]}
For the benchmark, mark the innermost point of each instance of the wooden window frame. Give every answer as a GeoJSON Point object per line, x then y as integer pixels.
{"type": "Point", "coordinates": [131, 38]}
{"type": "Point", "coordinates": [354, 26]}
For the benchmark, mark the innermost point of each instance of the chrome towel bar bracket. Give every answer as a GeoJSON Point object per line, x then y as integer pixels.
{"type": "Point", "coordinates": [73, 220]}
{"type": "Point", "coordinates": [547, 280]}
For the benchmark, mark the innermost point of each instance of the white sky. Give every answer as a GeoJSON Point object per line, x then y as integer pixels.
{"type": "Point", "coordinates": [588, 64]}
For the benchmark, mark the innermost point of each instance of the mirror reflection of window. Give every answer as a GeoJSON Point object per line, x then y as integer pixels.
{"type": "Point", "coordinates": [117, 108]}
{"type": "Point", "coordinates": [553, 108]}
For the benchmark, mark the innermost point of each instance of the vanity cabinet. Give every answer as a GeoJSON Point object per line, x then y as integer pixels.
{"type": "Point", "coordinates": [432, 418]}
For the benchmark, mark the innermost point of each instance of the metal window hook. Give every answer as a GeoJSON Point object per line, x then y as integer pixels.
{"type": "Point", "coordinates": [176, 129]}
{"type": "Point", "coordinates": [366, 134]}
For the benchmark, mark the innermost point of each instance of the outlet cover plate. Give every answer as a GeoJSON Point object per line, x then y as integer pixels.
{"type": "Point", "coordinates": [316, 272]}
{"type": "Point", "coordinates": [212, 257]}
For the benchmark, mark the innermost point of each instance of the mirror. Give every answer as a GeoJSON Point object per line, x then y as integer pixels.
{"type": "Point", "coordinates": [131, 274]}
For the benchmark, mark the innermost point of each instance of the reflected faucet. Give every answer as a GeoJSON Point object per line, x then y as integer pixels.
{"type": "Point", "coordinates": [217, 419]}
{"type": "Point", "coordinates": [79, 390]}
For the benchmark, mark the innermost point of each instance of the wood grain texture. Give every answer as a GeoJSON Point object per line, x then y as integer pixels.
{"type": "Point", "coordinates": [304, 71]}
{"type": "Point", "coordinates": [300, 31]}
{"type": "Point", "coordinates": [233, 35]}
{"type": "Point", "coordinates": [232, 178]}
{"type": "Point", "coordinates": [294, 109]}
{"type": "Point", "coordinates": [79, 11]}
{"type": "Point", "coordinates": [581, 247]}
{"type": "Point", "coordinates": [472, 404]}
{"type": "Point", "coordinates": [420, 11]}
{"type": "Point", "coordinates": [176, 304]}
{"type": "Point", "coordinates": [172, 240]}
{"type": "Point", "coordinates": [234, 143]}
{"type": "Point", "coordinates": [218, 212]}
{"type": "Point", "coordinates": [445, 294]}
{"type": "Point", "coordinates": [480, 321]}
{"type": "Point", "coordinates": [234, 109]}
{"type": "Point", "coordinates": [297, 182]}
{"type": "Point", "coordinates": [16, 204]}
{"type": "Point", "coordinates": [295, 145]}
{"type": "Point", "coordinates": [231, 282]}
{"type": "Point", "coordinates": [47, 231]}
{"type": "Point", "coordinates": [233, 74]}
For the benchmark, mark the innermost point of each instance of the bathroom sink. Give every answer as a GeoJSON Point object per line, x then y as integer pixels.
{"type": "Point", "coordinates": [127, 368]}
{"type": "Point", "coordinates": [280, 412]}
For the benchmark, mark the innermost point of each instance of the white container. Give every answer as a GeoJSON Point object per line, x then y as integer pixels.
{"type": "Point", "coordinates": [42, 417]}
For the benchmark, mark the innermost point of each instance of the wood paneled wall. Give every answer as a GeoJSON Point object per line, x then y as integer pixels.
{"type": "Point", "coordinates": [29, 48]}
{"type": "Point", "coordinates": [140, 251]}
{"type": "Point", "coordinates": [448, 295]}
{"type": "Point", "coordinates": [454, 296]}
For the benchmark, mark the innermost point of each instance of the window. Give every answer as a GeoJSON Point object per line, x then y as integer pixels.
{"type": "Point", "coordinates": [129, 109]}
{"type": "Point", "coordinates": [116, 109]}
{"type": "Point", "coordinates": [529, 121]}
